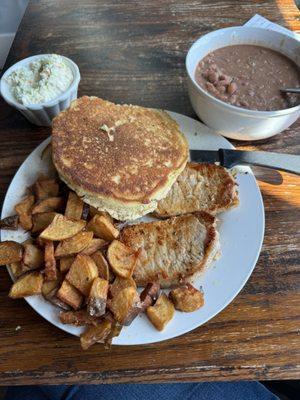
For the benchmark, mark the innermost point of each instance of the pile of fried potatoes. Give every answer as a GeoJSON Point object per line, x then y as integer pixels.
{"type": "Point", "coordinates": [75, 261]}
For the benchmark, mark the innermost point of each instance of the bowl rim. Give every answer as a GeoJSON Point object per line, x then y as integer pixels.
{"type": "Point", "coordinates": [50, 103]}
{"type": "Point", "coordinates": [236, 109]}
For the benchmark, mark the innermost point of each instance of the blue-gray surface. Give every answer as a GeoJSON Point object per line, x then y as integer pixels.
{"type": "Point", "coordinates": [178, 391]}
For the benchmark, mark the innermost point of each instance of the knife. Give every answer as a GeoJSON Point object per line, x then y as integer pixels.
{"type": "Point", "coordinates": [231, 158]}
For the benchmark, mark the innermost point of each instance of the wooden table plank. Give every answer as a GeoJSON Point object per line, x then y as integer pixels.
{"type": "Point", "coordinates": [134, 53]}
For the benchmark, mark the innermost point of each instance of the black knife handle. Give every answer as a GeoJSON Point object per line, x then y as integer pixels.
{"type": "Point", "coordinates": [284, 162]}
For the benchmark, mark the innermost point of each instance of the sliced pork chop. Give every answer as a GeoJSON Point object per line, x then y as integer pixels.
{"type": "Point", "coordinates": [172, 250]}
{"type": "Point", "coordinates": [200, 187]}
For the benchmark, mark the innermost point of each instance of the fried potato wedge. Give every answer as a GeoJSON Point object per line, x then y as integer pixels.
{"type": "Point", "coordinates": [48, 205]}
{"type": "Point", "coordinates": [39, 242]}
{"type": "Point", "coordinates": [62, 228]}
{"type": "Point", "coordinates": [74, 207]}
{"type": "Point", "coordinates": [82, 273]}
{"type": "Point", "coordinates": [121, 283]}
{"type": "Point", "coordinates": [78, 318]}
{"type": "Point", "coordinates": [27, 285]}
{"type": "Point", "coordinates": [97, 297]}
{"type": "Point", "coordinates": [99, 288]}
{"type": "Point", "coordinates": [65, 263]}
{"type": "Point", "coordinates": [95, 244]}
{"type": "Point", "coordinates": [115, 332]}
{"type": "Point", "coordinates": [125, 305]}
{"type": "Point", "coordinates": [50, 262]}
{"type": "Point", "coordinates": [102, 265]}
{"type": "Point", "coordinates": [149, 295]}
{"type": "Point", "coordinates": [10, 223]}
{"type": "Point", "coordinates": [23, 209]}
{"type": "Point", "coordinates": [49, 286]}
{"type": "Point", "coordinates": [45, 187]}
{"type": "Point", "coordinates": [103, 228]}
{"type": "Point", "coordinates": [10, 252]}
{"type": "Point", "coordinates": [121, 258]}
{"type": "Point", "coordinates": [53, 299]}
{"type": "Point", "coordinates": [95, 334]}
{"type": "Point", "coordinates": [41, 221]}
{"type": "Point", "coordinates": [187, 298]}
{"type": "Point", "coordinates": [16, 269]}
{"type": "Point", "coordinates": [161, 313]}
{"type": "Point", "coordinates": [33, 257]}
{"type": "Point", "coordinates": [94, 211]}
{"type": "Point", "coordinates": [25, 221]}
{"type": "Point", "coordinates": [74, 244]}
{"type": "Point", "coordinates": [70, 295]}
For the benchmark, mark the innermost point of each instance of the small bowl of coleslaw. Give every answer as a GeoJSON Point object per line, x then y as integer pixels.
{"type": "Point", "coordinates": [41, 86]}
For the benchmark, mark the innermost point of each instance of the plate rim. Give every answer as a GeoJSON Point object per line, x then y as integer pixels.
{"type": "Point", "coordinates": [229, 299]}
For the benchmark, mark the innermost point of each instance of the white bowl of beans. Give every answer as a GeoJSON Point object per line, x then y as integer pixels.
{"type": "Point", "coordinates": [235, 90]}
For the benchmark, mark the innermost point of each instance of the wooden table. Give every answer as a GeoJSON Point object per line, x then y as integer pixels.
{"type": "Point", "coordinates": [134, 52]}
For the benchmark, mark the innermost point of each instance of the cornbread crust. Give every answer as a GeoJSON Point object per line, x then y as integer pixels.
{"type": "Point", "coordinates": [120, 158]}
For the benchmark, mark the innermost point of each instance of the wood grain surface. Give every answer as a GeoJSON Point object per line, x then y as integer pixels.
{"type": "Point", "coordinates": [134, 52]}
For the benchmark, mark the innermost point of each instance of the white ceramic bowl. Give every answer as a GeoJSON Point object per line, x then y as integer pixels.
{"type": "Point", "coordinates": [231, 121]}
{"type": "Point", "coordinates": [42, 113]}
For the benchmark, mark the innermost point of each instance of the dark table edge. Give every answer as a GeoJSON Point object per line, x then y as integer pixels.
{"type": "Point", "coordinates": [195, 374]}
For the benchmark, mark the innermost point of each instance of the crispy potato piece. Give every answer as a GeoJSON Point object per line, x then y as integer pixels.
{"type": "Point", "coordinates": [23, 209]}
{"type": "Point", "coordinates": [10, 223]}
{"type": "Point", "coordinates": [95, 334]}
{"type": "Point", "coordinates": [149, 295]}
{"type": "Point", "coordinates": [78, 318]}
{"type": "Point", "coordinates": [45, 187]}
{"type": "Point", "coordinates": [103, 228]}
{"type": "Point", "coordinates": [50, 262]}
{"type": "Point", "coordinates": [122, 259]}
{"type": "Point", "coordinates": [97, 297]}
{"type": "Point", "coordinates": [70, 295]}
{"type": "Point", "coordinates": [10, 252]}
{"type": "Point", "coordinates": [33, 257]}
{"type": "Point", "coordinates": [74, 245]}
{"type": "Point", "coordinates": [161, 313]}
{"type": "Point", "coordinates": [53, 299]}
{"type": "Point", "coordinates": [39, 242]}
{"type": "Point", "coordinates": [115, 332]}
{"type": "Point", "coordinates": [41, 221]}
{"type": "Point", "coordinates": [62, 228]}
{"type": "Point", "coordinates": [99, 288]}
{"type": "Point", "coordinates": [25, 206]}
{"type": "Point", "coordinates": [95, 244]}
{"type": "Point", "coordinates": [16, 268]}
{"type": "Point", "coordinates": [82, 273]}
{"type": "Point", "coordinates": [187, 298]}
{"type": "Point", "coordinates": [49, 286]}
{"type": "Point", "coordinates": [120, 284]}
{"type": "Point", "coordinates": [102, 265]}
{"type": "Point", "coordinates": [48, 205]}
{"type": "Point", "coordinates": [74, 206]}
{"type": "Point", "coordinates": [94, 211]}
{"type": "Point", "coordinates": [27, 285]}
{"type": "Point", "coordinates": [65, 263]}
{"type": "Point", "coordinates": [125, 305]}
{"type": "Point", "coordinates": [25, 221]}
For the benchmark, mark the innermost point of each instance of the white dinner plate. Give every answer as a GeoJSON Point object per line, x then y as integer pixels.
{"type": "Point", "coordinates": [241, 235]}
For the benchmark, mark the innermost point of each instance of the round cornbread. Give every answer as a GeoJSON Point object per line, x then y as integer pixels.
{"type": "Point", "coordinates": [120, 158]}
